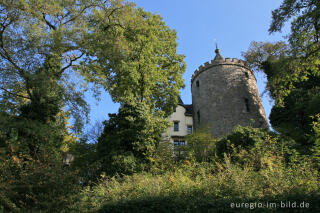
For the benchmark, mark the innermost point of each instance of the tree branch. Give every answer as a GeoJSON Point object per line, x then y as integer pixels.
{"type": "Point", "coordinates": [5, 53]}
{"type": "Point", "coordinates": [70, 64]}
{"type": "Point", "coordinates": [80, 13]}
{"type": "Point", "coordinates": [7, 91]}
{"type": "Point", "coordinates": [47, 22]}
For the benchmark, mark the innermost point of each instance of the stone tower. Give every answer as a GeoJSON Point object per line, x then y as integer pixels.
{"type": "Point", "coordinates": [225, 94]}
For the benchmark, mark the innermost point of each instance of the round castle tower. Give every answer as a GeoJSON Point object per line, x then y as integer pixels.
{"type": "Point", "coordinates": [225, 94]}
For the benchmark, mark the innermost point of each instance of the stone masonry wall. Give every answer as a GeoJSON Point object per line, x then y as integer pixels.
{"type": "Point", "coordinates": [225, 94]}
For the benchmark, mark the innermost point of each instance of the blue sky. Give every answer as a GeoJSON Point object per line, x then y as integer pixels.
{"type": "Point", "coordinates": [233, 24]}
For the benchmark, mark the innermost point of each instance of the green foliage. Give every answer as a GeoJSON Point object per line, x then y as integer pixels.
{"type": "Point", "coordinates": [295, 118]}
{"type": "Point", "coordinates": [245, 137]}
{"type": "Point", "coordinates": [85, 162]}
{"type": "Point", "coordinates": [40, 42]}
{"type": "Point", "coordinates": [304, 26]}
{"type": "Point", "coordinates": [34, 185]}
{"type": "Point", "coordinates": [163, 158]}
{"type": "Point", "coordinates": [132, 54]}
{"type": "Point", "coordinates": [129, 138]}
{"type": "Point", "coordinates": [256, 147]}
{"type": "Point", "coordinates": [292, 70]}
{"type": "Point", "coordinates": [47, 51]}
{"type": "Point", "coordinates": [315, 138]}
{"type": "Point", "coordinates": [294, 85]}
{"type": "Point", "coordinates": [143, 57]}
{"type": "Point", "coordinates": [203, 188]}
{"type": "Point", "coordinates": [201, 146]}
{"type": "Point", "coordinates": [259, 52]}
{"type": "Point", "coordinates": [254, 166]}
{"type": "Point", "coordinates": [32, 172]}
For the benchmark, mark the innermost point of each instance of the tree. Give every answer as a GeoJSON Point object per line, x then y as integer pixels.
{"type": "Point", "coordinates": [142, 65]}
{"type": "Point", "coordinates": [41, 46]}
{"type": "Point", "coordinates": [144, 73]}
{"type": "Point", "coordinates": [305, 27]}
{"type": "Point", "coordinates": [129, 139]}
{"type": "Point", "coordinates": [292, 69]}
{"type": "Point", "coordinates": [316, 138]}
{"type": "Point", "coordinates": [48, 49]}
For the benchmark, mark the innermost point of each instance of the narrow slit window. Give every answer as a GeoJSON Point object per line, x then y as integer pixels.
{"type": "Point", "coordinates": [197, 83]}
{"type": "Point", "coordinates": [198, 115]}
{"type": "Point", "coordinates": [189, 129]}
{"type": "Point", "coordinates": [246, 101]}
{"type": "Point", "coordinates": [247, 74]}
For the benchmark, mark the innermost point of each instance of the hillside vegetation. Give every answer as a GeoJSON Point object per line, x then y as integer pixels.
{"type": "Point", "coordinates": [53, 51]}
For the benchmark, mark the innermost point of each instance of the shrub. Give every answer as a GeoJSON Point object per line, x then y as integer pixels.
{"type": "Point", "coordinates": [34, 186]}
{"type": "Point", "coordinates": [256, 147]}
{"type": "Point", "coordinates": [203, 187]}
{"type": "Point", "coordinates": [163, 158]}
{"type": "Point", "coordinates": [201, 145]}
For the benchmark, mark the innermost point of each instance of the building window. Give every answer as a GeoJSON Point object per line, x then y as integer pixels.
{"type": "Point", "coordinates": [176, 126]}
{"type": "Point", "coordinates": [179, 142]}
{"type": "Point", "coordinates": [197, 83]}
{"type": "Point", "coordinates": [189, 129]}
{"type": "Point", "coordinates": [178, 146]}
{"type": "Point", "coordinates": [246, 101]}
{"type": "Point", "coordinates": [198, 115]}
{"type": "Point", "coordinates": [174, 109]}
{"type": "Point", "coordinates": [247, 74]}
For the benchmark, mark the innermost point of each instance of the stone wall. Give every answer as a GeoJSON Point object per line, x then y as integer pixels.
{"type": "Point", "coordinates": [225, 94]}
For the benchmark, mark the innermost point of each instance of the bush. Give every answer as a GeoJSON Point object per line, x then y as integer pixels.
{"type": "Point", "coordinates": [256, 147]}
{"type": "Point", "coordinates": [203, 187]}
{"type": "Point", "coordinates": [34, 186]}
{"type": "Point", "coordinates": [249, 165]}
{"type": "Point", "coordinates": [164, 158]}
{"type": "Point", "coordinates": [201, 146]}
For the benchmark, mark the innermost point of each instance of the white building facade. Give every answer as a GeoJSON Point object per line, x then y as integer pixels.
{"type": "Point", "coordinates": [182, 124]}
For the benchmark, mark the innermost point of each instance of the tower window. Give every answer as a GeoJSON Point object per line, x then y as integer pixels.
{"type": "Point", "coordinates": [176, 126]}
{"type": "Point", "coordinates": [189, 129]}
{"type": "Point", "coordinates": [246, 101]}
{"type": "Point", "coordinates": [247, 74]}
{"type": "Point", "coordinates": [198, 115]}
{"type": "Point", "coordinates": [197, 83]}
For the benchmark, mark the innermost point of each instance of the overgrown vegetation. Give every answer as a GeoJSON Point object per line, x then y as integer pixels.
{"type": "Point", "coordinates": [266, 169]}
{"type": "Point", "coordinates": [131, 54]}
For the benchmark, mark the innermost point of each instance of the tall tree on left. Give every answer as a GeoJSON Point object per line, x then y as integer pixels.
{"type": "Point", "coordinates": [41, 45]}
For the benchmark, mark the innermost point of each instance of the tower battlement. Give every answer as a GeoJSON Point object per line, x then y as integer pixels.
{"type": "Point", "coordinates": [226, 61]}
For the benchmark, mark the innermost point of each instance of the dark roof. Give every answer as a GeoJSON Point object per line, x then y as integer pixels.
{"type": "Point", "coordinates": [180, 102]}
{"type": "Point", "coordinates": [189, 109]}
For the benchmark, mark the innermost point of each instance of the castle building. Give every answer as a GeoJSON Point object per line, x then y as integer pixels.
{"type": "Point", "coordinates": [182, 124]}
{"type": "Point", "coordinates": [224, 94]}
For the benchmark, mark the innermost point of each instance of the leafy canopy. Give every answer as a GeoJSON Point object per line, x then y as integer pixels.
{"type": "Point", "coordinates": [142, 65]}
{"type": "Point", "coordinates": [292, 68]}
